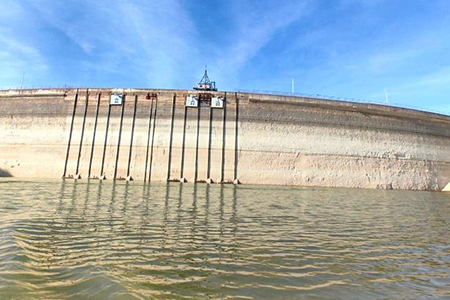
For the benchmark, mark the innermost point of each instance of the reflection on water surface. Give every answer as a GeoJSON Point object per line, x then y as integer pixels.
{"type": "Point", "coordinates": [128, 241]}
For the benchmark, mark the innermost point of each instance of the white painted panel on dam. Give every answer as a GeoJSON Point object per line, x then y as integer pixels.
{"type": "Point", "coordinates": [116, 99]}
{"type": "Point", "coordinates": [191, 101]}
{"type": "Point", "coordinates": [216, 102]}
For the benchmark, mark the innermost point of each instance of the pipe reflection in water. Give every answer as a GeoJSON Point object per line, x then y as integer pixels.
{"type": "Point", "coordinates": [91, 239]}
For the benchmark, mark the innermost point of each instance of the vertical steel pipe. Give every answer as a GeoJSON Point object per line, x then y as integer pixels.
{"type": "Point", "coordinates": [224, 135]}
{"type": "Point", "coordinates": [132, 135]}
{"type": "Point", "coordinates": [82, 132]}
{"type": "Point", "coordinates": [119, 138]}
{"type": "Point", "coordinates": [197, 141]}
{"type": "Point", "coordinates": [105, 143]}
{"type": "Point", "coordinates": [183, 146]}
{"type": "Point", "coordinates": [70, 133]}
{"type": "Point", "coordinates": [236, 140]}
{"type": "Point", "coordinates": [169, 162]}
{"type": "Point", "coordinates": [93, 135]}
{"type": "Point", "coordinates": [148, 139]}
{"type": "Point", "coordinates": [208, 170]}
{"type": "Point", "coordinates": [153, 140]}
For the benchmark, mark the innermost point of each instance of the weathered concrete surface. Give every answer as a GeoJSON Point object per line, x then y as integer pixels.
{"type": "Point", "coordinates": [280, 140]}
{"type": "Point", "coordinates": [331, 144]}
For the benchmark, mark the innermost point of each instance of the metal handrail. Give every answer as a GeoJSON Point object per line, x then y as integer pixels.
{"type": "Point", "coordinates": [337, 98]}
{"type": "Point", "coordinates": [267, 92]}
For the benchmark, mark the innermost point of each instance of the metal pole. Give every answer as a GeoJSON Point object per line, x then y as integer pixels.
{"type": "Point", "coordinates": [21, 83]}
{"type": "Point", "coordinates": [197, 141]}
{"type": "Point", "coordinates": [148, 139]}
{"type": "Point", "coordinates": [119, 138]}
{"type": "Point", "coordinates": [106, 139]}
{"type": "Point", "coordinates": [224, 134]}
{"type": "Point", "coordinates": [132, 135]}
{"type": "Point", "coordinates": [171, 138]}
{"type": "Point", "coordinates": [70, 133]}
{"type": "Point", "coordinates": [236, 134]}
{"type": "Point", "coordinates": [183, 143]}
{"type": "Point", "coordinates": [208, 171]}
{"type": "Point", "coordinates": [82, 133]}
{"type": "Point", "coordinates": [153, 140]}
{"type": "Point", "coordinates": [94, 134]}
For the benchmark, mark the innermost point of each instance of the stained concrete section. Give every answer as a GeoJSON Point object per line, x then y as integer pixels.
{"type": "Point", "coordinates": [320, 146]}
{"type": "Point", "coordinates": [255, 139]}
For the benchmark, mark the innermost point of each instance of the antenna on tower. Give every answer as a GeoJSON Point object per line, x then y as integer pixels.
{"type": "Point", "coordinates": [205, 84]}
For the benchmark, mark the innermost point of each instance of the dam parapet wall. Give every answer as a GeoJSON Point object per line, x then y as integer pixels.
{"type": "Point", "coordinates": [253, 139]}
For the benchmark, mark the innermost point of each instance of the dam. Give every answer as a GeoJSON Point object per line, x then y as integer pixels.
{"type": "Point", "coordinates": [156, 135]}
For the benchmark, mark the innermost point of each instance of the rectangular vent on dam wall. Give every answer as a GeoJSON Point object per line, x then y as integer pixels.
{"type": "Point", "coordinates": [153, 137]}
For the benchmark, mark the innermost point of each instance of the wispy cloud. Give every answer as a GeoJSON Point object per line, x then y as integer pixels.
{"type": "Point", "coordinates": [164, 40]}
{"type": "Point", "coordinates": [152, 40]}
{"type": "Point", "coordinates": [256, 24]}
{"type": "Point", "coordinates": [17, 55]}
{"type": "Point", "coordinates": [158, 41]}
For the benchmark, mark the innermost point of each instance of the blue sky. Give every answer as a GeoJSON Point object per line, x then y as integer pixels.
{"type": "Point", "coordinates": [346, 48]}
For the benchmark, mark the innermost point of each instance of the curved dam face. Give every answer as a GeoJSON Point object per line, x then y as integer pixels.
{"type": "Point", "coordinates": [250, 138]}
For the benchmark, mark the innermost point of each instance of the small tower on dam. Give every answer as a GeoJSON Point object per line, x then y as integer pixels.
{"type": "Point", "coordinates": [205, 84]}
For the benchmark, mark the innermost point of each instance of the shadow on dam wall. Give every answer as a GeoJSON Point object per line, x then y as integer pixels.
{"type": "Point", "coordinates": [4, 173]}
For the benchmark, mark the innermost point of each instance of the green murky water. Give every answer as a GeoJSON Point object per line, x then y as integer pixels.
{"type": "Point", "coordinates": [128, 241]}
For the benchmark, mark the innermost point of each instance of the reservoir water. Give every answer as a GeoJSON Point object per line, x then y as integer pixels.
{"type": "Point", "coordinates": [97, 240]}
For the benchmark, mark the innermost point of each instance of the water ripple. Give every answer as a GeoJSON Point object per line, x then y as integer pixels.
{"type": "Point", "coordinates": [96, 240]}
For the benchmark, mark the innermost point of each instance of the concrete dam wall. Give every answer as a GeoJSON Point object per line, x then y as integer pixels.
{"type": "Point", "coordinates": [253, 139]}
